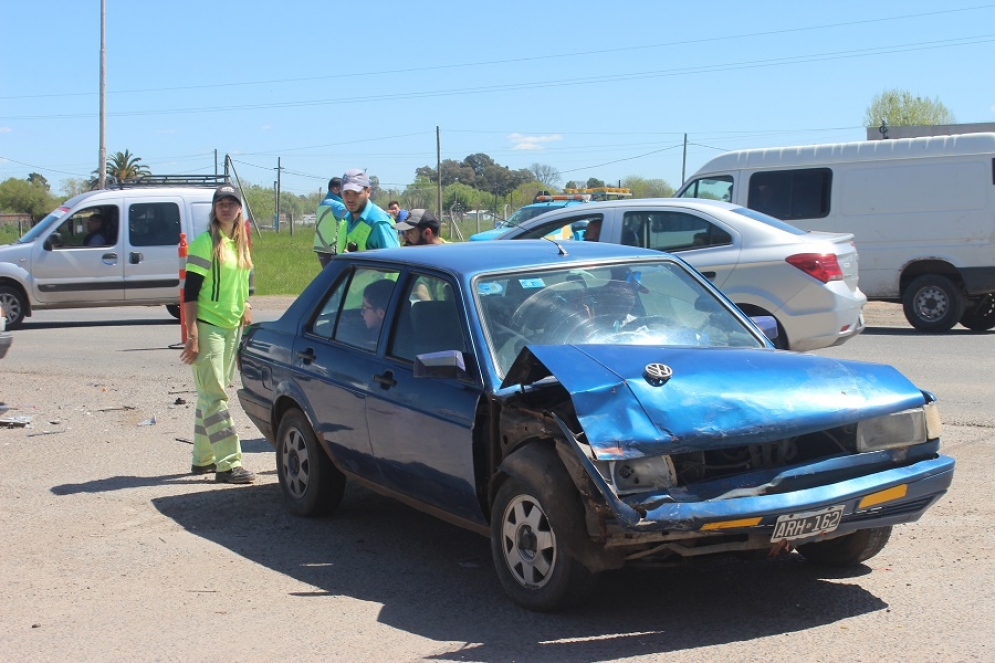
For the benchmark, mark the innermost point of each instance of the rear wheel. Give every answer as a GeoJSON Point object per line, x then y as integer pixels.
{"type": "Point", "coordinates": [849, 549]}
{"type": "Point", "coordinates": [933, 303]}
{"type": "Point", "coordinates": [174, 310]}
{"type": "Point", "coordinates": [529, 558]}
{"type": "Point", "coordinates": [14, 306]}
{"type": "Point", "coordinates": [981, 314]}
{"type": "Point", "coordinates": [312, 485]}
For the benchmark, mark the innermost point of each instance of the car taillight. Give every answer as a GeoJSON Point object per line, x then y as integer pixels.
{"type": "Point", "coordinates": [822, 266]}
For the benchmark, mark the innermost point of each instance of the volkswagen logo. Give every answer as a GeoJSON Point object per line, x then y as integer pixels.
{"type": "Point", "coordinates": [657, 374]}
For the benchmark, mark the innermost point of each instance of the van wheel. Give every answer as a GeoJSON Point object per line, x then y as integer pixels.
{"type": "Point", "coordinates": [13, 305]}
{"type": "Point", "coordinates": [933, 303]}
{"type": "Point", "coordinates": [174, 310]}
{"type": "Point", "coordinates": [981, 315]}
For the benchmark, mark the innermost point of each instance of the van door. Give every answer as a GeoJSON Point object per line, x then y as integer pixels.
{"type": "Point", "coordinates": [81, 260]}
{"type": "Point", "coordinates": [152, 267]}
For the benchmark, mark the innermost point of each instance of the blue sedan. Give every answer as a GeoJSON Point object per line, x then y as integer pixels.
{"type": "Point", "coordinates": [586, 406]}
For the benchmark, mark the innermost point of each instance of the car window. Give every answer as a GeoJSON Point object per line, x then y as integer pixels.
{"type": "Point", "coordinates": [710, 188]}
{"type": "Point", "coordinates": [564, 227]}
{"type": "Point", "coordinates": [354, 310]}
{"type": "Point", "coordinates": [802, 193]}
{"type": "Point", "coordinates": [645, 303]}
{"type": "Point", "coordinates": [428, 319]}
{"type": "Point", "coordinates": [670, 231]}
{"type": "Point", "coordinates": [154, 224]}
{"type": "Point", "coordinates": [92, 227]}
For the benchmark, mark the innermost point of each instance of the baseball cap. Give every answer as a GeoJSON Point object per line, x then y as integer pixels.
{"type": "Point", "coordinates": [226, 191]}
{"type": "Point", "coordinates": [355, 180]}
{"type": "Point", "coordinates": [420, 218]}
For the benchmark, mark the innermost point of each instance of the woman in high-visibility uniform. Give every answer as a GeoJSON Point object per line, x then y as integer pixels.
{"type": "Point", "coordinates": [215, 308]}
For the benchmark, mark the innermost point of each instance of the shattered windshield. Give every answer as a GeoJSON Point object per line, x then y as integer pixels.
{"type": "Point", "coordinates": [646, 303]}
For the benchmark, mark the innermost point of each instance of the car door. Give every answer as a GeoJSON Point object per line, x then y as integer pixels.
{"type": "Point", "coordinates": [65, 270]}
{"type": "Point", "coordinates": [563, 227]}
{"type": "Point", "coordinates": [151, 265]}
{"type": "Point", "coordinates": [421, 427]}
{"type": "Point", "coordinates": [334, 363]}
{"type": "Point", "coordinates": [705, 243]}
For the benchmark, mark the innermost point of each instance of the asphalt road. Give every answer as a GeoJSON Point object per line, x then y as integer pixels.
{"type": "Point", "coordinates": [110, 551]}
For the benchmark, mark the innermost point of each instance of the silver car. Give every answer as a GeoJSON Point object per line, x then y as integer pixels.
{"type": "Point", "coordinates": [806, 280]}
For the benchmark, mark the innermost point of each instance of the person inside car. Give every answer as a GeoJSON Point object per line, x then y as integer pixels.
{"type": "Point", "coordinates": [96, 235]}
{"type": "Point", "coordinates": [376, 296]}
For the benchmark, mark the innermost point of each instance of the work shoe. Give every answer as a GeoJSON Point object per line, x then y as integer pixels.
{"type": "Point", "coordinates": [203, 469]}
{"type": "Point", "coordinates": [235, 475]}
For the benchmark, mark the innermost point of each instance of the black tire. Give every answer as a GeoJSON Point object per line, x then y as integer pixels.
{"type": "Point", "coordinates": [312, 485]}
{"type": "Point", "coordinates": [849, 549]}
{"type": "Point", "coordinates": [14, 306]}
{"type": "Point", "coordinates": [933, 303]}
{"type": "Point", "coordinates": [980, 316]}
{"type": "Point", "coordinates": [174, 310]}
{"type": "Point", "coordinates": [531, 564]}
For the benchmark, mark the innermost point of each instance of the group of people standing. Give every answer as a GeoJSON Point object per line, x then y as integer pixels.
{"type": "Point", "coordinates": [347, 220]}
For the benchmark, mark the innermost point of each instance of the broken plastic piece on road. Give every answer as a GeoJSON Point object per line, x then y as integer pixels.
{"type": "Point", "coordinates": [148, 422]}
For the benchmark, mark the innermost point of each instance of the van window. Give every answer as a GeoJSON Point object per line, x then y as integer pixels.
{"type": "Point", "coordinates": [710, 188]}
{"type": "Point", "coordinates": [154, 224]}
{"type": "Point", "coordinates": [791, 194]}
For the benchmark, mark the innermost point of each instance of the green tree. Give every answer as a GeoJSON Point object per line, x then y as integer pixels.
{"type": "Point", "coordinates": [898, 108]}
{"type": "Point", "coordinates": [548, 176]}
{"type": "Point", "coordinates": [594, 182]}
{"type": "Point", "coordinates": [24, 197]}
{"type": "Point", "coordinates": [39, 180]}
{"type": "Point", "coordinates": [74, 186]}
{"type": "Point", "coordinates": [125, 165]}
{"type": "Point", "coordinates": [646, 188]}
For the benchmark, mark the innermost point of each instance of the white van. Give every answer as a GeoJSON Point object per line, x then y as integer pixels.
{"type": "Point", "coordinates": [113, 247]}
{"type": "Point", "coordinates": [922, 211]}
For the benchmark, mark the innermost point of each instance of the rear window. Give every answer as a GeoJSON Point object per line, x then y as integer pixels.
{"type": "Point", "coordinates": [769, 220]}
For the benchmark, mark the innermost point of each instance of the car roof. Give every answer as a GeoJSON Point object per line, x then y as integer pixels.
{"type": "Point", "coordinates": [470, 258]}
{"type": "Point", "coordinates": [700, 204]}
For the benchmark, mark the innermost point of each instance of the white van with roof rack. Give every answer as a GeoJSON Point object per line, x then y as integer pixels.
{"type": "Point", "coordinates": [922, 211]}
{"type": "Point", "coordinates": [112, 247]}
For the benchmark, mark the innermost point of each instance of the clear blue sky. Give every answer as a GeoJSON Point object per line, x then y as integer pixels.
{"type": "Point", "coordinates": [595, 89]}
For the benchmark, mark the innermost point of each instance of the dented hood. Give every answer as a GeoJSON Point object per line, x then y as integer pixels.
{"type": "Point", "coordinates": [715, 397]}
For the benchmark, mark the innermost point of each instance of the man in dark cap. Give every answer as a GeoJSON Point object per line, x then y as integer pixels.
{"type": "Point", "coordinates": [420, 228]}
{"type": "Point", "coordinates": [331, 211]}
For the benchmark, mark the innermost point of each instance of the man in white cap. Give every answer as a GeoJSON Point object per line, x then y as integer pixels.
{"type": "Point", "coordinates": [365, 226]}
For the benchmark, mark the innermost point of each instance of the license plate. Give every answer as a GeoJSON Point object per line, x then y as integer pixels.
{"type": "Point", "coordinates": [811, 523]}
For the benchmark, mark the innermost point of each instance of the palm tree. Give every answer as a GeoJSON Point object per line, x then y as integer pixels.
{"type": "Point", "coordinates": [124, 165]}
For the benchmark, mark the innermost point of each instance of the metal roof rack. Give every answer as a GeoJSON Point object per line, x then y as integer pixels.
{"type": "Point", "coordinates": [210, 181]}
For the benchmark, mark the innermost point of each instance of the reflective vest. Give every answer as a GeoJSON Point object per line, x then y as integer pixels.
{"type": "Point", "coordinates": [326, 225]}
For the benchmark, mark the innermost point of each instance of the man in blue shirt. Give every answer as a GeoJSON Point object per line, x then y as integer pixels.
{"type": "Point", "coordinates": [365, 226]}
{"type": "Point", "coordinates": [331, 211]}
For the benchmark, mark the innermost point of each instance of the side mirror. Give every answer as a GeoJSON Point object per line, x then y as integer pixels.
{"type": "Point", "coordinates": [53, 241]}
{"type": "Point", "coordinates": [767, 324]}
{"type": "Point", "coordinates": [445, 364]}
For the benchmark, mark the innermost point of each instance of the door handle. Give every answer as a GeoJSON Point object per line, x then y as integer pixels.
{"type": "Point", "coordinates": [386, 380]}
{"type": "Point", "coordinates": [307, 356]}
{"type": "Point", "coordinates": [135, 257]}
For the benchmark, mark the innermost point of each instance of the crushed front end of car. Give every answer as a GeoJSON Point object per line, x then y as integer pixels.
{"type": "Point", "coordinates": [686, 452]}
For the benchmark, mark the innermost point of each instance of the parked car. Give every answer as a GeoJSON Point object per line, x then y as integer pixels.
{"type": "Point", "coordinates": [112, 247]}
{"type": "Point", "coordinates": [586, 406]}
{"type": "Point", "coordinates": [806, 280]}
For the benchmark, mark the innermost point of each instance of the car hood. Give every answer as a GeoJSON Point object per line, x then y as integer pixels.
{"type": "Point", "coordinates": [714, 397]}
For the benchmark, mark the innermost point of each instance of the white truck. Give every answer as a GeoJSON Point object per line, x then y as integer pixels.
{"type": "Point", "coordinates": [112, 247]}
{"type": "Point", "coordinates": [922, 211]}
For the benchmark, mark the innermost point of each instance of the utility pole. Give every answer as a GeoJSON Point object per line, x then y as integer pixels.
{"type": "Point", "coordinates": [215, 163]}
{"type": "Point", "coordinates": [102, 165]}
{"type": "Point", "coordinates": [684, 163]}
{"type": "Point", "coordinates": [438, 170]}
{"type": "Point", "coordinates": [278, 193]}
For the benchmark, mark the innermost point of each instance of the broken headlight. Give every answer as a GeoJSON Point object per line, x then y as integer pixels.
{"type": "Point", "coordinates": [899, 429]}
{"type": "Point", "coordinates": [640, 475]}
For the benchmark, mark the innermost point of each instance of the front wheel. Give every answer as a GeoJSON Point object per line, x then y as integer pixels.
{"type": "Point", "coordinates": [312, 485]}
{"type": "Point", "coordinates": [14, 306]}
{"type": "Point", "coordinates": [933, 303]}
{"type": "Point", "coordinates": [849, 549]}
{"type": "Point", "coordinates": [531, 564]}
{"type": "Point", "coordinates": [981, 315]}
{"type": "Point", "coordinates": [173, 310]}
